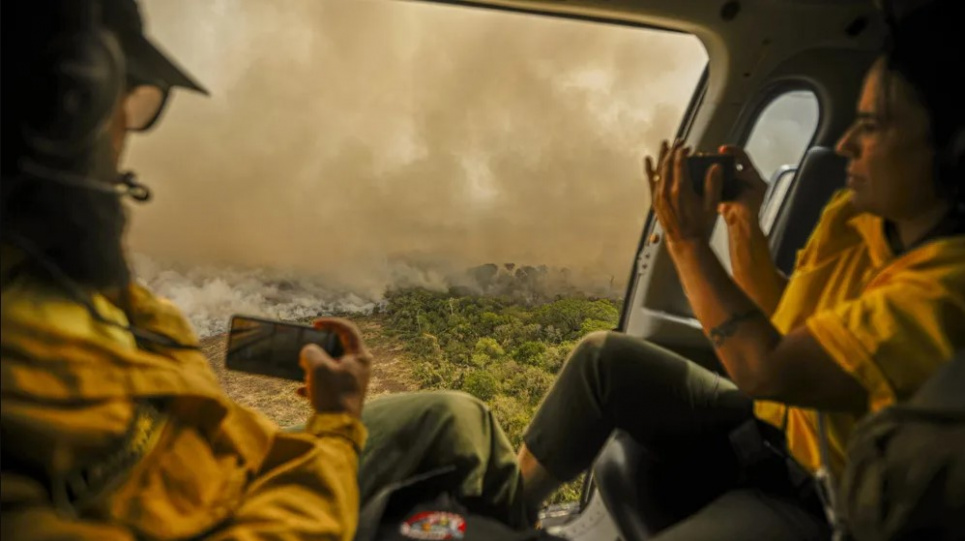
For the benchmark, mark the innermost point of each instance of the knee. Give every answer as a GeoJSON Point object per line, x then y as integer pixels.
{"type": "Point", "coordinates": [460, 420]}
{"type": "Point", "coordinates": [596, 339]}
{"type": "Point", "coordinates": [453, 406]}
{"type": "Point", "coordinates": [450, 416]}
{"type": "Point", "coordinates": [589, 351]}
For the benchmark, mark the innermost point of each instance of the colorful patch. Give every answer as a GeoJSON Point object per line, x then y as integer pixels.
{"type": "Point", "coordinates": [434, 525]}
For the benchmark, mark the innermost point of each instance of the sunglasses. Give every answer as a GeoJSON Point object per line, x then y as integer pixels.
{"type": "Point", "coordinates": [144, 104]}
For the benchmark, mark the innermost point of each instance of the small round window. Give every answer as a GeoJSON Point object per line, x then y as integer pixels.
{"type": "Point", "coordinates": [778, 141]}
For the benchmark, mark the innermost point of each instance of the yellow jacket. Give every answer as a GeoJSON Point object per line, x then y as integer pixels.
{"type": "Point", "coordinates": [890, 320]}
{"type": "Point", "coordinates": [102, 439]}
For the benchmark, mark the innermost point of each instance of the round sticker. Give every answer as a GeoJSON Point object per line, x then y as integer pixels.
{"type": "Point", "coordinates": [434, 525]}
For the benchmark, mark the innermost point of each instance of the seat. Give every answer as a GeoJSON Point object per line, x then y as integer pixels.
{"type": "Point", "coordinates": [644, 494]}
{"type": "Point", "coordinates": [821, 173]}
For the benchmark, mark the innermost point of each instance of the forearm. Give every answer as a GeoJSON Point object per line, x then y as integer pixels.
{"type": "Point", "coordinates": [754, 270]}
{"type": "Point", "coordinates": [742, 335]}
{"type": "Point", "coordinates": [308, 487]}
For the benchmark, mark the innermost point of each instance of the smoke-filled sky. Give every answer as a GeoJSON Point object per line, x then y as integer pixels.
{"type": "Point", "coordinates": [345, 137]}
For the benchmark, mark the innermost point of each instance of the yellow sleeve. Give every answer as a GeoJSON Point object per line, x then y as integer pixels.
{"type": "Point", "coordinates": [891, 339]}
{"type": "Point", "coordinates": [308, 487]}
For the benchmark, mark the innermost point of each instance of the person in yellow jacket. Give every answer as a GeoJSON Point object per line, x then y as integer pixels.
{"type": "Point", "coordinates": [113, 425]}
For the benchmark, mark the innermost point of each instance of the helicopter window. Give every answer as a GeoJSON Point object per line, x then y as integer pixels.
{"type": "Point", "coordinates": [777, 142]}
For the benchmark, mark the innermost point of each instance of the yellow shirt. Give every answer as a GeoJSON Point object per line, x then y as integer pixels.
{"type": "Point", "coordinates": [888, 321]}
{"type": "Point", "coordinates": [71, 391]}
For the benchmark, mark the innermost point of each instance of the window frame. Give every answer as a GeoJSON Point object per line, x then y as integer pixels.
{"type": "Point", "coordinates": [745, 128]}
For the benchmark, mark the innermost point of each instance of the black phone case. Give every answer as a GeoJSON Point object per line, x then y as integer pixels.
{"type": "Point", "coordinates": [285, 365]}
{"type": "Point", "coordinates": [698, 166]}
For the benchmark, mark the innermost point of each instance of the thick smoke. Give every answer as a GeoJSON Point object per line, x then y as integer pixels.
{"type": "Point", "coordinates": [209, 296]}
{"type": "Point", "coordinates": [376, 143]}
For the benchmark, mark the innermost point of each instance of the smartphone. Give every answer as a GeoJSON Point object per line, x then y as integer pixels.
{"type": "Point", "coordinates": [272, 348]}
{"type": "Point", "coordinates": [699, 165]}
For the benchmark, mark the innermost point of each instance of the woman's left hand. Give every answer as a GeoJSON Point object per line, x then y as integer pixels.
{"type": "Point", "coordinates": [683, 214]}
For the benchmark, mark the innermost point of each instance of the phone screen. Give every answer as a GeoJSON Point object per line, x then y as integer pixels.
{"type": "Point", "coordinates": [272, 348]}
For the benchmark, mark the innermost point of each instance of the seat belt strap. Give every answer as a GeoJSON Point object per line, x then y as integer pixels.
{"type": "Point", "coordinates": [825, 481]}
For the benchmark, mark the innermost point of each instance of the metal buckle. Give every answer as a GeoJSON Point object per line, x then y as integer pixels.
{"type": "Point", "coordinates": [822, 480]}
{"type": "Point", "coordinates": [67, 489]}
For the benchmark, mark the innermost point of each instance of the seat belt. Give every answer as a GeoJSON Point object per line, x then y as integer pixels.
{"type": "Point", "coordinates": [824, 480]}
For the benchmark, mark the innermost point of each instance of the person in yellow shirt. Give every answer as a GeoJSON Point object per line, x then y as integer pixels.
{"type": "Point", "coordinates": [876, 303]}
{"type": "Point", "coordinates": [112, 422]}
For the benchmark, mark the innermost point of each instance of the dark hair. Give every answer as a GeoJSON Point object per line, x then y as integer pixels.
{"type": "Point", "coordinates": [75, 228]}
{"type": "Point", "coordinates": [926, 46]}
{"type": "Point", "coordinates": [78, 230]}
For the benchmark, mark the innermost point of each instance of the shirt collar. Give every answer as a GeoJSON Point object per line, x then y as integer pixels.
{"type": "Point", "coordinates": [871, 228]}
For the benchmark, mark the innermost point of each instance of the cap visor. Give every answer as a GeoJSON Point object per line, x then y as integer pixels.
{"type": "Point", "coordinates": [145, 60]}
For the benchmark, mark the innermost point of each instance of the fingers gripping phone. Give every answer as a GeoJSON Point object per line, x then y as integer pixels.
{"type": "Point", "coordinates": [272, 348]}
{"type": "Point", "coordinates": [699, 165]}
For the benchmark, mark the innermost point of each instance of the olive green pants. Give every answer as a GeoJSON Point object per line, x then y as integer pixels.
{"type": "Point", "coordinates": [412, 433]}
{"type": "Point", "coordinates": [682, 415]}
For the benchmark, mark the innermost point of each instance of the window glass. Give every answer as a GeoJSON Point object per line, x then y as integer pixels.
{"type": "Point", "coordinates": [778, 141]}
{"type": "Point", "coordinates": [783, 131]}
{"type": "Point", "coordinates": [464, 184]}
{"type": "Point", "coordinates": [372, 144]}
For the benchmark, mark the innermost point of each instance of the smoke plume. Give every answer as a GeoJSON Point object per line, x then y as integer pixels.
{"type": "Point", "coordinates": [365, 142]}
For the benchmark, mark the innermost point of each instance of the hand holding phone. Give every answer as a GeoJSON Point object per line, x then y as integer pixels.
{"type": "Point", "coordinates": [330, 357]}
{"type": "Point", "coordinates": [337, 384]}
{"type": "Point", "coordinates": [753, 187]}
{"type": "Point", "coordinates": [273, 348]}
{"type": "Point", "coordinates": [685, 213]}
{"type": "Point", "coordinates": [699, 165]}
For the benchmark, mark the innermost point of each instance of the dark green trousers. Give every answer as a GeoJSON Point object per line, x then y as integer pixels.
{"type": "Point", "coordinates": [682, 414]}
{"type": "Point", "coordinates": [415, 433]}
{"type": "Point", "coordinates": [412, 433]}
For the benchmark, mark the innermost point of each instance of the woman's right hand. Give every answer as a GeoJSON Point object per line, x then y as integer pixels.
{"type": "Point", "coordinates": [753, 188]}
{"type": "Point", "coordinates": [337, 385]}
